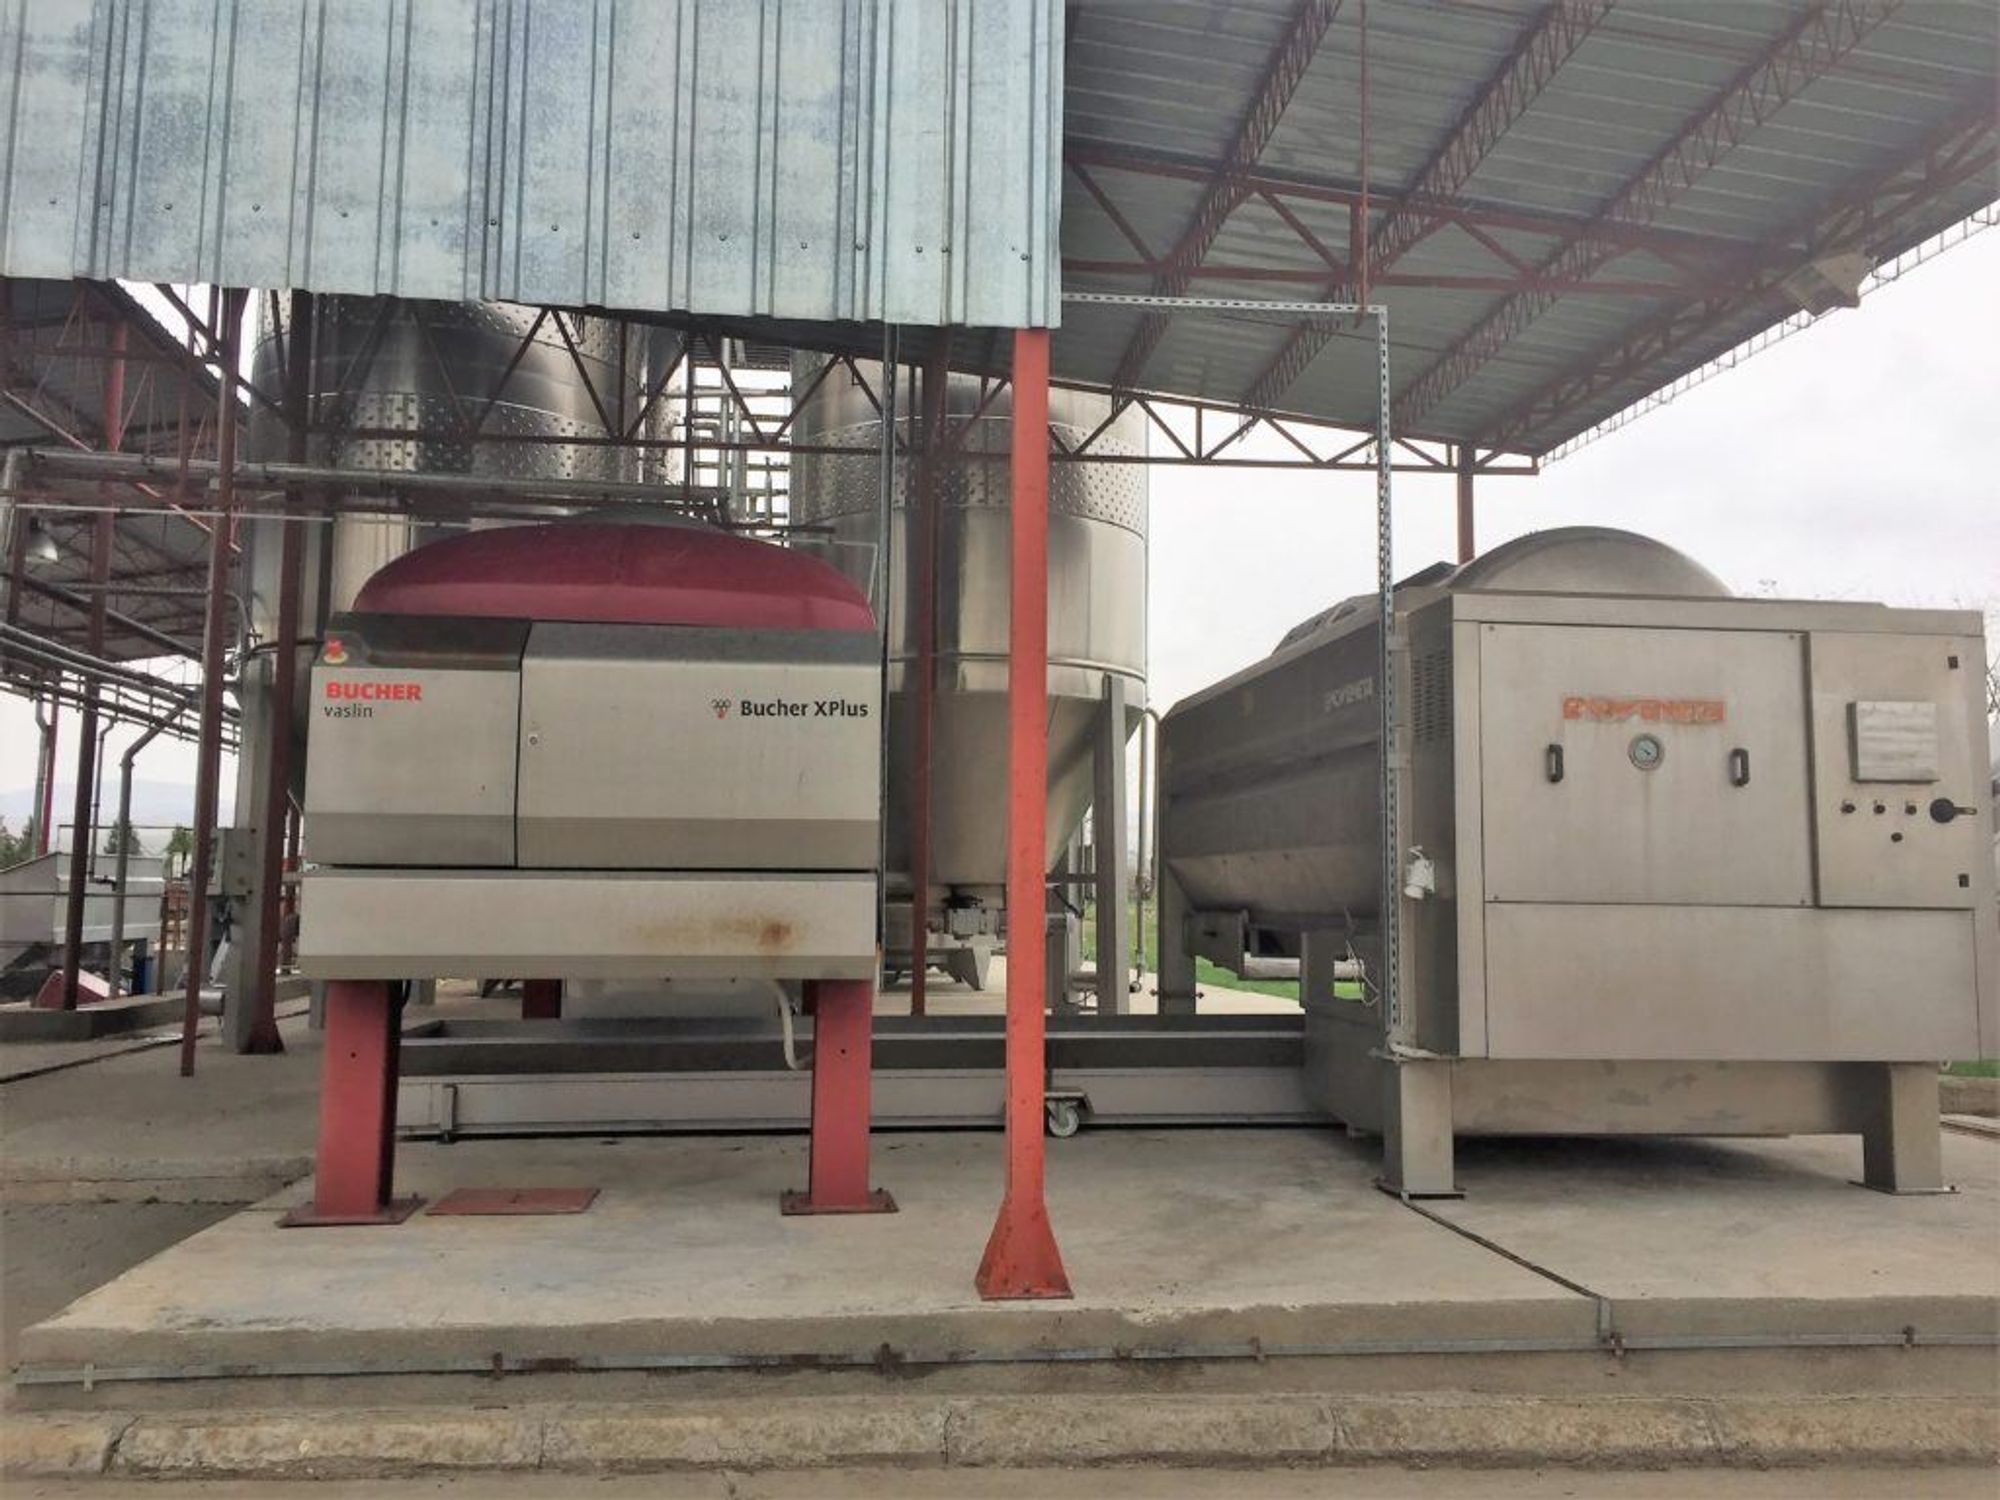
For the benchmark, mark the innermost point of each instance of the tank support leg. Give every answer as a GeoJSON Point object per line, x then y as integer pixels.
{"type": "Point", "coordinates": [1114, 894]}
{"type": "Point", "coordinates": [843, 1043]}
{"type": "Point", "coordinates": [1176, 976]}
{"type": "Point", "coordinates": [354, 1171]}
{"type": "Point", "coordinates": [1416, 1129]}
{"type": "Point", "coordinates": [1902, 1146]}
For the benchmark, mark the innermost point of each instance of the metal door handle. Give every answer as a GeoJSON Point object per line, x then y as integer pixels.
{"type": "Point", "coordinates": [1555, 763]}
{"type": "Point", "coordinates": [1739, 767]}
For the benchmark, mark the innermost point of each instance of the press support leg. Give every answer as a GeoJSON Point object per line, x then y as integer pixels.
{"type": "Point", "coordinates": [355, 1167]}
{"type": "Point", "coordinates": [1416, 1130]}
{"type": "Point", "coordinates": [1902, 1145]}
{"type": "Point", "coordinates": [843, 1042]}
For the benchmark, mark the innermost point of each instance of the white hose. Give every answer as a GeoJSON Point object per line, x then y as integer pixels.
{"type": "Point", "coordinates": [785, 1023]}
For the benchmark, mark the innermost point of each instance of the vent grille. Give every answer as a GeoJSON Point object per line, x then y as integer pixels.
{"type": "Point", "coordinates": [1430, 696]}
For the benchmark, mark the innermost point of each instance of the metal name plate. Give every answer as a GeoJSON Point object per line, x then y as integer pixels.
{"type": "Point", "coordinates": [1893, 741]}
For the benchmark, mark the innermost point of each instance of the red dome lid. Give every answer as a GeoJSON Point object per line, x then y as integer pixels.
{"type": "Point", "coordinates": [628, 574]}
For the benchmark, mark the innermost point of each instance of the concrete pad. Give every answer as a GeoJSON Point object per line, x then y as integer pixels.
{"type": "Point", "coordinates": [50, 1253]}
{"type": "Point", "coordinates": [1945, 1430]}
{"type": "Point", "coordinates": [1734, 1238]}
{"type": "Point", "coordinates": [23, 1021]}
{"type": "Point", "coordinates": [1174, 1240]}
{"type": "Point", "coordinates": [78, 1443]}
{"type": "Point", "coordinates": [1614, 1431]}
{"type": "Point", "coordinates": [130, 1126]}
{"type": "Point", "coordinates": [1018, 1432]}
{"type": "Point", "coordinates": [1026, 1431]}
{"type": "Point", "coordinates": [282, 1445]}
{"type": "Point", "coordinates": [760, 1435]}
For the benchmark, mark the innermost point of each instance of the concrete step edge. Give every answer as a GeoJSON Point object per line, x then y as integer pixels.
{"type": "Point", "coordinates": [1013, 1431]}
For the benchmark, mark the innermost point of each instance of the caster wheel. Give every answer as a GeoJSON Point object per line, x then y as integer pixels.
{"type": "Point", "coordinates": [1065, 1118]}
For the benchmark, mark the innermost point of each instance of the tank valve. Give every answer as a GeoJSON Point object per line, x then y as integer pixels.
{"type": "Point", "coordinates": [1420, 880]}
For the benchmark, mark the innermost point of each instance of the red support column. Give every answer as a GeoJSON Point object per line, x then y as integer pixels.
{"type": "Point", "coordinates": [843, 1045]}
{"type": "Point", "coordinates": [355, 1167]}
{"type": "Point", "coordinates": [1021, 1257]}
{"type": "Point", "coordinates": [541, 999]}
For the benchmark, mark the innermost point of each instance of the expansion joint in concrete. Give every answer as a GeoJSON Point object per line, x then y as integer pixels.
{"type": "Point", "coordinates": [1607, 1332]}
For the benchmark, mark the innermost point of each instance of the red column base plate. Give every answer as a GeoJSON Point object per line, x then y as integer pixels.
{"type": "Point", "coordinates": [305, 1216]}
{"type": "Point", "coordinates": [793, 1204]}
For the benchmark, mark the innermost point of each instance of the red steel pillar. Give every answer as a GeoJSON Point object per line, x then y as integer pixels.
{"type": "Point", "coordinates": [541, 999]}
{"type": "Point", "coordinates": [1465, 467]}
{"type": "Point", "coordinates": [354, 1170]}
{"type": "Point", "coordinates": [1021, 1257]}
{"type": "Point", "coordinates": [843, 1042]}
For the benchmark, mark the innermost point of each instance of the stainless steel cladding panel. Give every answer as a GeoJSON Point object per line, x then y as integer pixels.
{"type": "Point", "coordinates": [1713, 982]}
{"type": "Point", "coordinates": [413, 748]}
{"type": "Point", "coordinates": [595, 924]}
{"type": "Point", "coordinates": [666, 747]}
{"type": "Point", "coordinates": [1657, 766]}
{"type": "Point", "coordinates": [1897, 775]}
{"type": "Point", "coordinates": [1097, 599]}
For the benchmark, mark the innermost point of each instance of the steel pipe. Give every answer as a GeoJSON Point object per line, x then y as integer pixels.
{"type": "Point", "coordinates": [208, 769]}
{"type": "Point", "coordinates": [153, 730]}
{"type": "Point", "coordinates": [83, 819]}
{"type": "Point", "coordinates": [45, 770]}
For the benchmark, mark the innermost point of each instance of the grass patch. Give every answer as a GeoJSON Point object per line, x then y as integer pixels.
{"type": "Point", "coordinates": [1985, 1067]}
{"type": "Point", "coordinates": [1204, 971]}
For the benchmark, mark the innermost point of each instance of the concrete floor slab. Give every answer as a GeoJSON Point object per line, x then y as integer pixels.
{"type": "Point", "coordinates": [129, 1125]}
{"type": "Point", "coordinates": [1688, 1237]}
{"type": "Point", "coordinates": [1174, 1239]}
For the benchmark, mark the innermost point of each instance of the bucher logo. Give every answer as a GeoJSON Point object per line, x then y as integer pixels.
{"type": "Point", "coordinates": [375, 692]}
{"type": "Point", "coordinates": [1603, 710]}
{"type": "Point", "coordinates": [790, 708]}
{"type": "Point", "coordinates": [335, 652]}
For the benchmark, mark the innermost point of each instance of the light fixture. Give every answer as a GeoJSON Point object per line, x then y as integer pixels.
{"type": "Point", "coordinates": [41, 546]}
{"type": "Point", "coordinates": [1819, 286]}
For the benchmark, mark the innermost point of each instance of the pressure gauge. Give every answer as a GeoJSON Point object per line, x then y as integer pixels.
{"type": "Point", "coordinates": [1647, 752]}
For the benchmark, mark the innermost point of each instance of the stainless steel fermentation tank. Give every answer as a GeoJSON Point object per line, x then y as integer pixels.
{"type": "Point", "coordinates": [1097, 624]}
{"type": "Point", "coordinates": [417, 367]}
{"type": "Point", "coordinates": [1671, 862]}
{"type": "Point", "coordinates": [382, 367]}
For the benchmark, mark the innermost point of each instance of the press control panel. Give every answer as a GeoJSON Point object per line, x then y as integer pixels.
{"type": "Point", "coordinates": [1897, 780]}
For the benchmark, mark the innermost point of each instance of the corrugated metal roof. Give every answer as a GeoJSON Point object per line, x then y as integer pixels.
{"type": "Point", "coordinates": [895, 159]}
{"type": "Point", "coordinates": [1156, 92]}
{"type": "Point", "coordinates": [834, 159]}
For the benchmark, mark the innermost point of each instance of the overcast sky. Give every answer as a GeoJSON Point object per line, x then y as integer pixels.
{"type": "Point", "coordinates": [1856, 460]}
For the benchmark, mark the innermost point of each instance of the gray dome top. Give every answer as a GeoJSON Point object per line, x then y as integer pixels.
{"type": "Point", "coordinates": [1589, 560]}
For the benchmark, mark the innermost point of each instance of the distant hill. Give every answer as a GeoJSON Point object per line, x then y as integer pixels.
{"type": "Point", "coordinates": [159, 804]}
